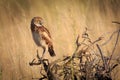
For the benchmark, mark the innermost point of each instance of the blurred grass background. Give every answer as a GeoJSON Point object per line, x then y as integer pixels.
{"type": "Point", "coordinates": [65, 19]}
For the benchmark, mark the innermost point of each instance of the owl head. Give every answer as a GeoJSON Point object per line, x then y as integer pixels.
{"type": "Point", "coordinates": [37, 21]}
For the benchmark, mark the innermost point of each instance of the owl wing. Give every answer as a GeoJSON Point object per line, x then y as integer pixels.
{"type": "Point", "coordinates": [45, 35]}
{"type": "Point", "coordinates": [46, 30]}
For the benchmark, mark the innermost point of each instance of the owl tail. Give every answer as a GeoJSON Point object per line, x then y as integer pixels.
{"type": "Point", "coordinates": [51, 51]}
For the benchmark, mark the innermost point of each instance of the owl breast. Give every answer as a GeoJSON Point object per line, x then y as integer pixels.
{"type": "Point", "coordinates": [38, 39]}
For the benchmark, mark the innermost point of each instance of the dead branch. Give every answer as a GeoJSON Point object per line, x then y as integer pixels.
{"type": "Point", "coordinates": [114, 46]}
{"type": "Point", "coordinates": [82, 65]}
{"type": "Point", "coordinates": [106, 42]}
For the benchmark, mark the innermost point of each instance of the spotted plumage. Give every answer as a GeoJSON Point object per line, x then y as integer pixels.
{"type": "Point", "coordinates": [41, 35]}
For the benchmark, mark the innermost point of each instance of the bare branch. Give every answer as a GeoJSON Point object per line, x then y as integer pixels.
{"type": "Point", "coordinates": [114, 46]}
{"type": "Point", "coordinates": [102, 56]}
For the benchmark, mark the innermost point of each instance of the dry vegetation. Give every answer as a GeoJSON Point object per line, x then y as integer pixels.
{"type": "Point", "coordinates": [86, 63]}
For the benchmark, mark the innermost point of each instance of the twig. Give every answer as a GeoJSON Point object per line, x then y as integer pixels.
{"type": "Point", "coordinates": [114, 46]}
{"type": "Point", "coordinates": [101, 56]}
{"type": "Point", "coordinates": [116, 22]}
{"type": "Point", "coordinates": [114, 66]}
{"type": "Point", "coordinates": [78, 44]}
{"type": "Point", "coordinates": [110, 38]}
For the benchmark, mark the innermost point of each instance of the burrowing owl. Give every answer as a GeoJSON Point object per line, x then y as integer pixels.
{"type": "Point", "coordinates": [42, 36]}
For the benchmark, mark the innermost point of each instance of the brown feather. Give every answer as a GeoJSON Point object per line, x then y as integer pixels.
{"type": "Point", "coordinates": [51, 51]}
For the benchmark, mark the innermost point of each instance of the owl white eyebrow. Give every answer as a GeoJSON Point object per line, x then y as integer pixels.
{"type": "Point", "coordinates": [39, 25]}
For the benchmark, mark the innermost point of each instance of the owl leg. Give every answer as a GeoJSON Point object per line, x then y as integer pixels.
{"type": "Point", "coordinates": [44, 49]}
